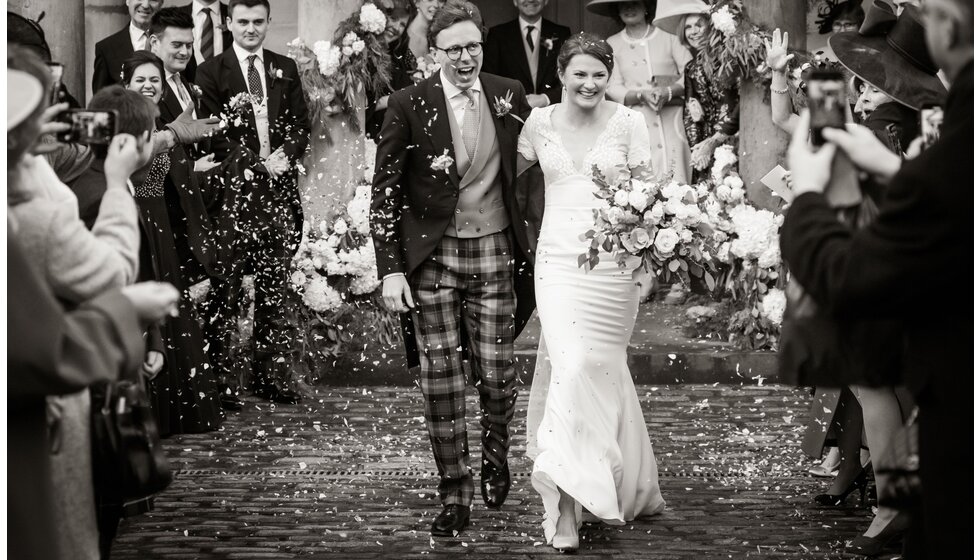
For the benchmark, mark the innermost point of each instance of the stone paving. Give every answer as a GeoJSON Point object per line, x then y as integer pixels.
{"type": "Point", "coordinates": [348, 475]}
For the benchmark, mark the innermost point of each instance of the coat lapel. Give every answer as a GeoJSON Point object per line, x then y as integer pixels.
{"type": "Point", "coordinates": [517, 45]}
{"type": "Point", "coordinates": [272, 85]}
{"type": "Point", "coordinates": [435, 120]}
{"type": "Point", "coordinates": [492, 90]}
{"type": "Point", "coordinates": [233, 73]}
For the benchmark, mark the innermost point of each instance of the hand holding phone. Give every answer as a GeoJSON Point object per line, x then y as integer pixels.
{"type": "Point", "coordinates": [88, 127]}
{"type": "Point", "coordinates": [827, 100]}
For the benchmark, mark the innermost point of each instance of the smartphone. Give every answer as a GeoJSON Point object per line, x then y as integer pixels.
{"type": "Point", "coordinates": [930, 119]}
{"type": "Point", "coordinates": [827, 99]}
{"type": "Point", "coordinates": [88, 127]}
{"type": "Point", "coordinates": [57, 73]}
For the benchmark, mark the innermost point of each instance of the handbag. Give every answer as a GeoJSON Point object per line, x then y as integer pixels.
{"type": "Point", "coordinates": [128, 462]}
{"type": "Point", "coordinates": [901, 485]}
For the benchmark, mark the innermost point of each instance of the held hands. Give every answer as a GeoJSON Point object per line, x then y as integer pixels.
{"type": "Point", "coordinates": [126, 155]}
{"type": "Point", "coordinates": [656, 98]}
{"type": "Point", "coordinates": [702, 153]}
{"type": "Point", "coordinates": [396, 294]}
{"type": "Point", "coordinates": [276, 164]}
{"type": "Point", "coordinates": [205, 163]}
{"type": "Point", "coordinates": [190, 130]}
{"type": "Point", "coordinates": [152, 364]}
{"type": "Point", "coordinates": [153, 300]}
{"type": "Point", "coordinates": [776, 51]}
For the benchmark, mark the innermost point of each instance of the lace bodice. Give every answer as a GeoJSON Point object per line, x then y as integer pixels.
{"type": "Point", "coordinates": [623, 145]}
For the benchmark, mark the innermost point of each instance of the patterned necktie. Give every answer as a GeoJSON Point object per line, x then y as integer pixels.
{"type": "Point", "coordinates": [254, 82]}
{"type": "Point", "coordinates": [207, 35]}
{"type": "Point", "coordinates": [530, 37]}
{"type": "Point", "coordinates": [471, 123]}
{"type": "Point", "coordinates": [179, 88]}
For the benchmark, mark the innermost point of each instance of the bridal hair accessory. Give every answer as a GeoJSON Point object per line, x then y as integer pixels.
{"type": "Point", "coordinates": [443, 162]}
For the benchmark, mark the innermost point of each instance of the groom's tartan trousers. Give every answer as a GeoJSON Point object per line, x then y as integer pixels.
{"type": "Point", "coordinates": [469, 280]}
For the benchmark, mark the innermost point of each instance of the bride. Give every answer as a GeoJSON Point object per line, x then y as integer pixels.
{"type": "Point", "coordinates": [586, 431]}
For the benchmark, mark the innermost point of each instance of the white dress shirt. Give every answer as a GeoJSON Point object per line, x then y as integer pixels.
{"type": "Point", "coordinates": [457, 99]}
{"type": "Point", "coordinates": [136, 35]}
{"type": "Point", "coordinates": [196, 10]}
{"type": "Point", "coordinates": [531, 54]}
{"type": "Point", "coordinates": [261, 110]}
{"type": "Point", "coordinates": [175, 84]}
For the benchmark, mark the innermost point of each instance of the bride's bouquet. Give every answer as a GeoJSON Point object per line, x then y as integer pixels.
{"type": "Point", "coordinates": [660, 222]}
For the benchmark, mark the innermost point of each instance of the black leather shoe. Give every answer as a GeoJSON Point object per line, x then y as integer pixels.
{"type": "Point", "coordinates": [453, 519]}
{"type": "Point", "coordinates": [229, 399]}
{"type": "Point", "coordinates": [494, 484]}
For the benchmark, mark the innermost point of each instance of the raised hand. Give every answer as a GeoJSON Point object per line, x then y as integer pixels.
{"type": "Point", "coordinates": [153, 300]}
{"type": "Point", "coordinates": [190, 130]}
{"type": "Point", "coordinates": [125, 156]}
{"type": "Point", "coordinates": [777, 49]}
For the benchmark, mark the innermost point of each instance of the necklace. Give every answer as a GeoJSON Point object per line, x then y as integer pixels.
{"type": "Point", "coordinates": [632, 41]}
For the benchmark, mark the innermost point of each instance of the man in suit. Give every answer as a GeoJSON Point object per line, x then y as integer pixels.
{"type": "Point", "coordinates": [111, 52]}
{"type": "Point", "coordinates": [924, 229]}
{"type": "Point", "coordinates": [452, 248]}
{"type": "Point", "coordinates": [211, 35]}
{"type": "Point", "coordinates": [276, 127]}
{"type": "Point", "coordinates": [526, 49]}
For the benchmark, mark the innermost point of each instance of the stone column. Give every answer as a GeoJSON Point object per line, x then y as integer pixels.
{"type": "Point", "coordinates": [761, 143]}
{"type": "Point", "coordinates": [102, 18]}
{"type": "Point", "coordinates": [334, 166]}
{"type": "Point", "coordinates": [65, 36]}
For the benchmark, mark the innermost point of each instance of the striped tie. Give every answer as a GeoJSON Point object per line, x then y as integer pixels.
{"type": "Point", "coordinates": [471, 123]}
{"type": "Point", "coordinates": [254, 82]}
{"type": "Point", "coordinates": [207, 35]}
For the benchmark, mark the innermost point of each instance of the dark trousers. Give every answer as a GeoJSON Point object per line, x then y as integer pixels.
{"type": "Point", "coordinates": [942, 528]}
{"type": "Point", "coordinates": [468, 283]}
{"type": "Point", "coordinates": [265, 247]}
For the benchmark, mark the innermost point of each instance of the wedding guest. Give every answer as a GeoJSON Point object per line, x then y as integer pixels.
{"type": "Point", "coordinates": [710, 110]}
{"type": "Point", "coordinates": [114, 49]}
{"type": "Point", "coordinates": [411, 56]}
{"type": "Point", "coordinates": [398, 14]}
{"type": "Point", "coordinates": [277, 128]}
{"type": "Point", "coordinates": [648, 76]}
{"type": "Point", "coordinates": [923, 226]}
{"type": "Point", "coordinates": [78, 265]}
{"type": "Point", "coordinates": [526, 49]}
{"type": "Point", "coordinates": [184, 395]}
{"type": "Point", "coordinates": [837, 16]}
{"type": "Point", "coordinates": [211, 35]}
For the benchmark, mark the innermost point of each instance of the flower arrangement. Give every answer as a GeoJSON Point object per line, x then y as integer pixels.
{"type": "Point", "coordinates": [659, 222]}
{"type": "Point", "coordinates": [736, 50]}
{"type": "Point", "coordinates": [334, 276]}
{"type": "Point", "coordinates": [235, 110]}
{"type": "Point", "coordinates": [335, 73]}
{"type": "Point", "coordinates": [425, 67]}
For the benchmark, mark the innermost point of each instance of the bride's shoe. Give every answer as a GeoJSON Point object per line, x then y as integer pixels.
{"type": "Point", "coordinates": [564, 543]}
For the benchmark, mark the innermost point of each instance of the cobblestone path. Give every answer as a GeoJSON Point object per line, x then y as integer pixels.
{"type": "Point", "coordinates": [349, 476]}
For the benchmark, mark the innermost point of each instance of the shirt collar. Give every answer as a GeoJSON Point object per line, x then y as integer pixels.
{"type": "Point", "coordinates": [452, 90]}
{"type": "Point", "coordinates": [243, 54]}
{"type": "Point", "coordinates": [170, 76]}
{"type": "Point", "coordinates": [198, 6]}
{"type": "Point", "coordinates": [135, 33]}
{"type": "Point", "coordinates": [525, 23]}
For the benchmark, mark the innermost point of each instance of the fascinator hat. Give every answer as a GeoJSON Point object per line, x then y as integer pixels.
{"type": "Point", "coordinates": [670, 13]}
{"type": "Point", "coordinates": [889, 52]}
{"type": "Point", "coordinates": [24, 93]}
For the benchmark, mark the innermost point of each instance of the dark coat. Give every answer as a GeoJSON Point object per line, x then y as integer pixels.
{"type": "Point", "coordinates": [504, 56]}
{"type": "Point", "coordinates": [890, 269]}
{"type": "Point", "coordinates": [112, 52]}
{"type": "Point", "coordinates": [52, 353]}
{"type": "Point", "coordinates": [220, 79]}
{"type": "Point", "coordinates": [412, 206]}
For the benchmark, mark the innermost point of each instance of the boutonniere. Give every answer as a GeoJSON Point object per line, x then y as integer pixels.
{"type": "Point", "coordinates": [443, 162]}
{"type": "Point", "coordinates": [502, 106]}
{"type": "Point", "coordinates": [549, 43]}
{"type": "Point", "coordinates": [196, 91]}
{"type": "Point", "coordinates": [275, 73]}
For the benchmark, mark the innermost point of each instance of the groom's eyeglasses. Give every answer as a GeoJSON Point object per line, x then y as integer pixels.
{"type": "Point", "coordinates": [455, 52]}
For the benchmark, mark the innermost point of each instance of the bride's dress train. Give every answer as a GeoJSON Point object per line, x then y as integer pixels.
{"type": "Point", "coordinates": [586, 431]}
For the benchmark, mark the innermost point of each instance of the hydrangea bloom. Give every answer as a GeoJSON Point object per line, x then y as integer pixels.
{"type": "Point", "coordinates": [757, 231]}
{"type": "Point", "coordinates": [773, 305]}
{"type": "Point", "coordinates": [327, 57]}
{"type": "Point", "coordinates": [320, 296]}
{"type": "Point", "coordinates": [723, 20]}
{"type": "Point", "coordinates": [372, 19]}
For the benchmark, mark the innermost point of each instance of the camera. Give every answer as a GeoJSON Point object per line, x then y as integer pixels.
{"type": "Point", "coordinates": [88, 127]}
{"type": "Point", "coordinates": [827, 100]}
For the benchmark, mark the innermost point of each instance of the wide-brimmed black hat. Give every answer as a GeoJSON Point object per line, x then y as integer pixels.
{"type": "Point", "coordinates": [610, 8]}
{"type": "Point", "coordinates": [890, 53]}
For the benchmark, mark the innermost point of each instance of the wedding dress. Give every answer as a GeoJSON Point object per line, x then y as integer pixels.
{"type": "Point", "coordinates": [586, 431]}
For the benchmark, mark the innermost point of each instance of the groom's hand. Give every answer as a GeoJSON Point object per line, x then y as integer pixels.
{"type": "Point", "coordinates": [396, 294]}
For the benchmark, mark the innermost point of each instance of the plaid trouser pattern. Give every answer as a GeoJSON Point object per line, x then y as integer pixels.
{"type": "Point", "coordinates": [468, 280]}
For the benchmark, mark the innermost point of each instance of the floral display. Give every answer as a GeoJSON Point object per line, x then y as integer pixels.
{"type": "Point", "coordinates": [334, 73]}
{"type": "Point", "coordinates": [424, 67]}
{"type": "Point", "coordinates": [736, 49]}
{"type": "Point", "coordinates": [660, 223]}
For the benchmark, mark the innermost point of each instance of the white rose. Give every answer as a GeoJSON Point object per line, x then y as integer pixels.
{"type": "Point", "coordinates": [773, 306]}
{"type": "Point", "coordinates": [723, 192]}
{"type": "Point", "coordinates": [357, 46]}
{"type": "Point", "coordinates": [340, 226]}
{"type": "Point", "coordinates": [724, 252]}
{"type": "Point", "coordinates": [701, 190]}
{"type": "Point", "coordinates": [348, 51]}
{"type": "Point", "coordinates": [638, 199]}
{"type": "Point", "coordinates": [621, 198]}
{"type": "Point", "coordinates": [297, 279]}
{"type": "Point", "coordinates": [615, 215]}
{"type": "Point", "coordinates": [734, 182]}
{"type": "Point", "coordinates": [666, 240]}
{"type": "Point", "coordinates": [687, 236]}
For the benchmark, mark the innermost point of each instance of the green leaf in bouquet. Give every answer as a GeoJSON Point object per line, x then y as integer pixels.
{"type": "Point", "coordinates": [682, 264]}
{"type": "Point", "coordinates": [587, 235]}
{"type": "Point", "coordinates": [709, 280]}
{"type": "Point", "coordinates": [607, 244]}
{"type": "Point", "coordinates": [593, 262]}
{"type": "Point", "coordinates": [696, 270]}
{"type": "Point", "coordinates": [673, 265]}
{"type": "Point", "coordinates": [582, 259]}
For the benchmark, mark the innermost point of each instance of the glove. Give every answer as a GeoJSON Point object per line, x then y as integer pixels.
{"type": "Point", "coordinates": [190, 130]}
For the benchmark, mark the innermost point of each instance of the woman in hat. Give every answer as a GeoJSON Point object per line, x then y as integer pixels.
{"type": "Point", "coordinates": [710, 112]}
{"type": "Point", "coordinates": [648, 76]}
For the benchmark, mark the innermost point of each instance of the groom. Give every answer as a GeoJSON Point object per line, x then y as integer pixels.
{"type": "Point", "coordinates": [452, 249]}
